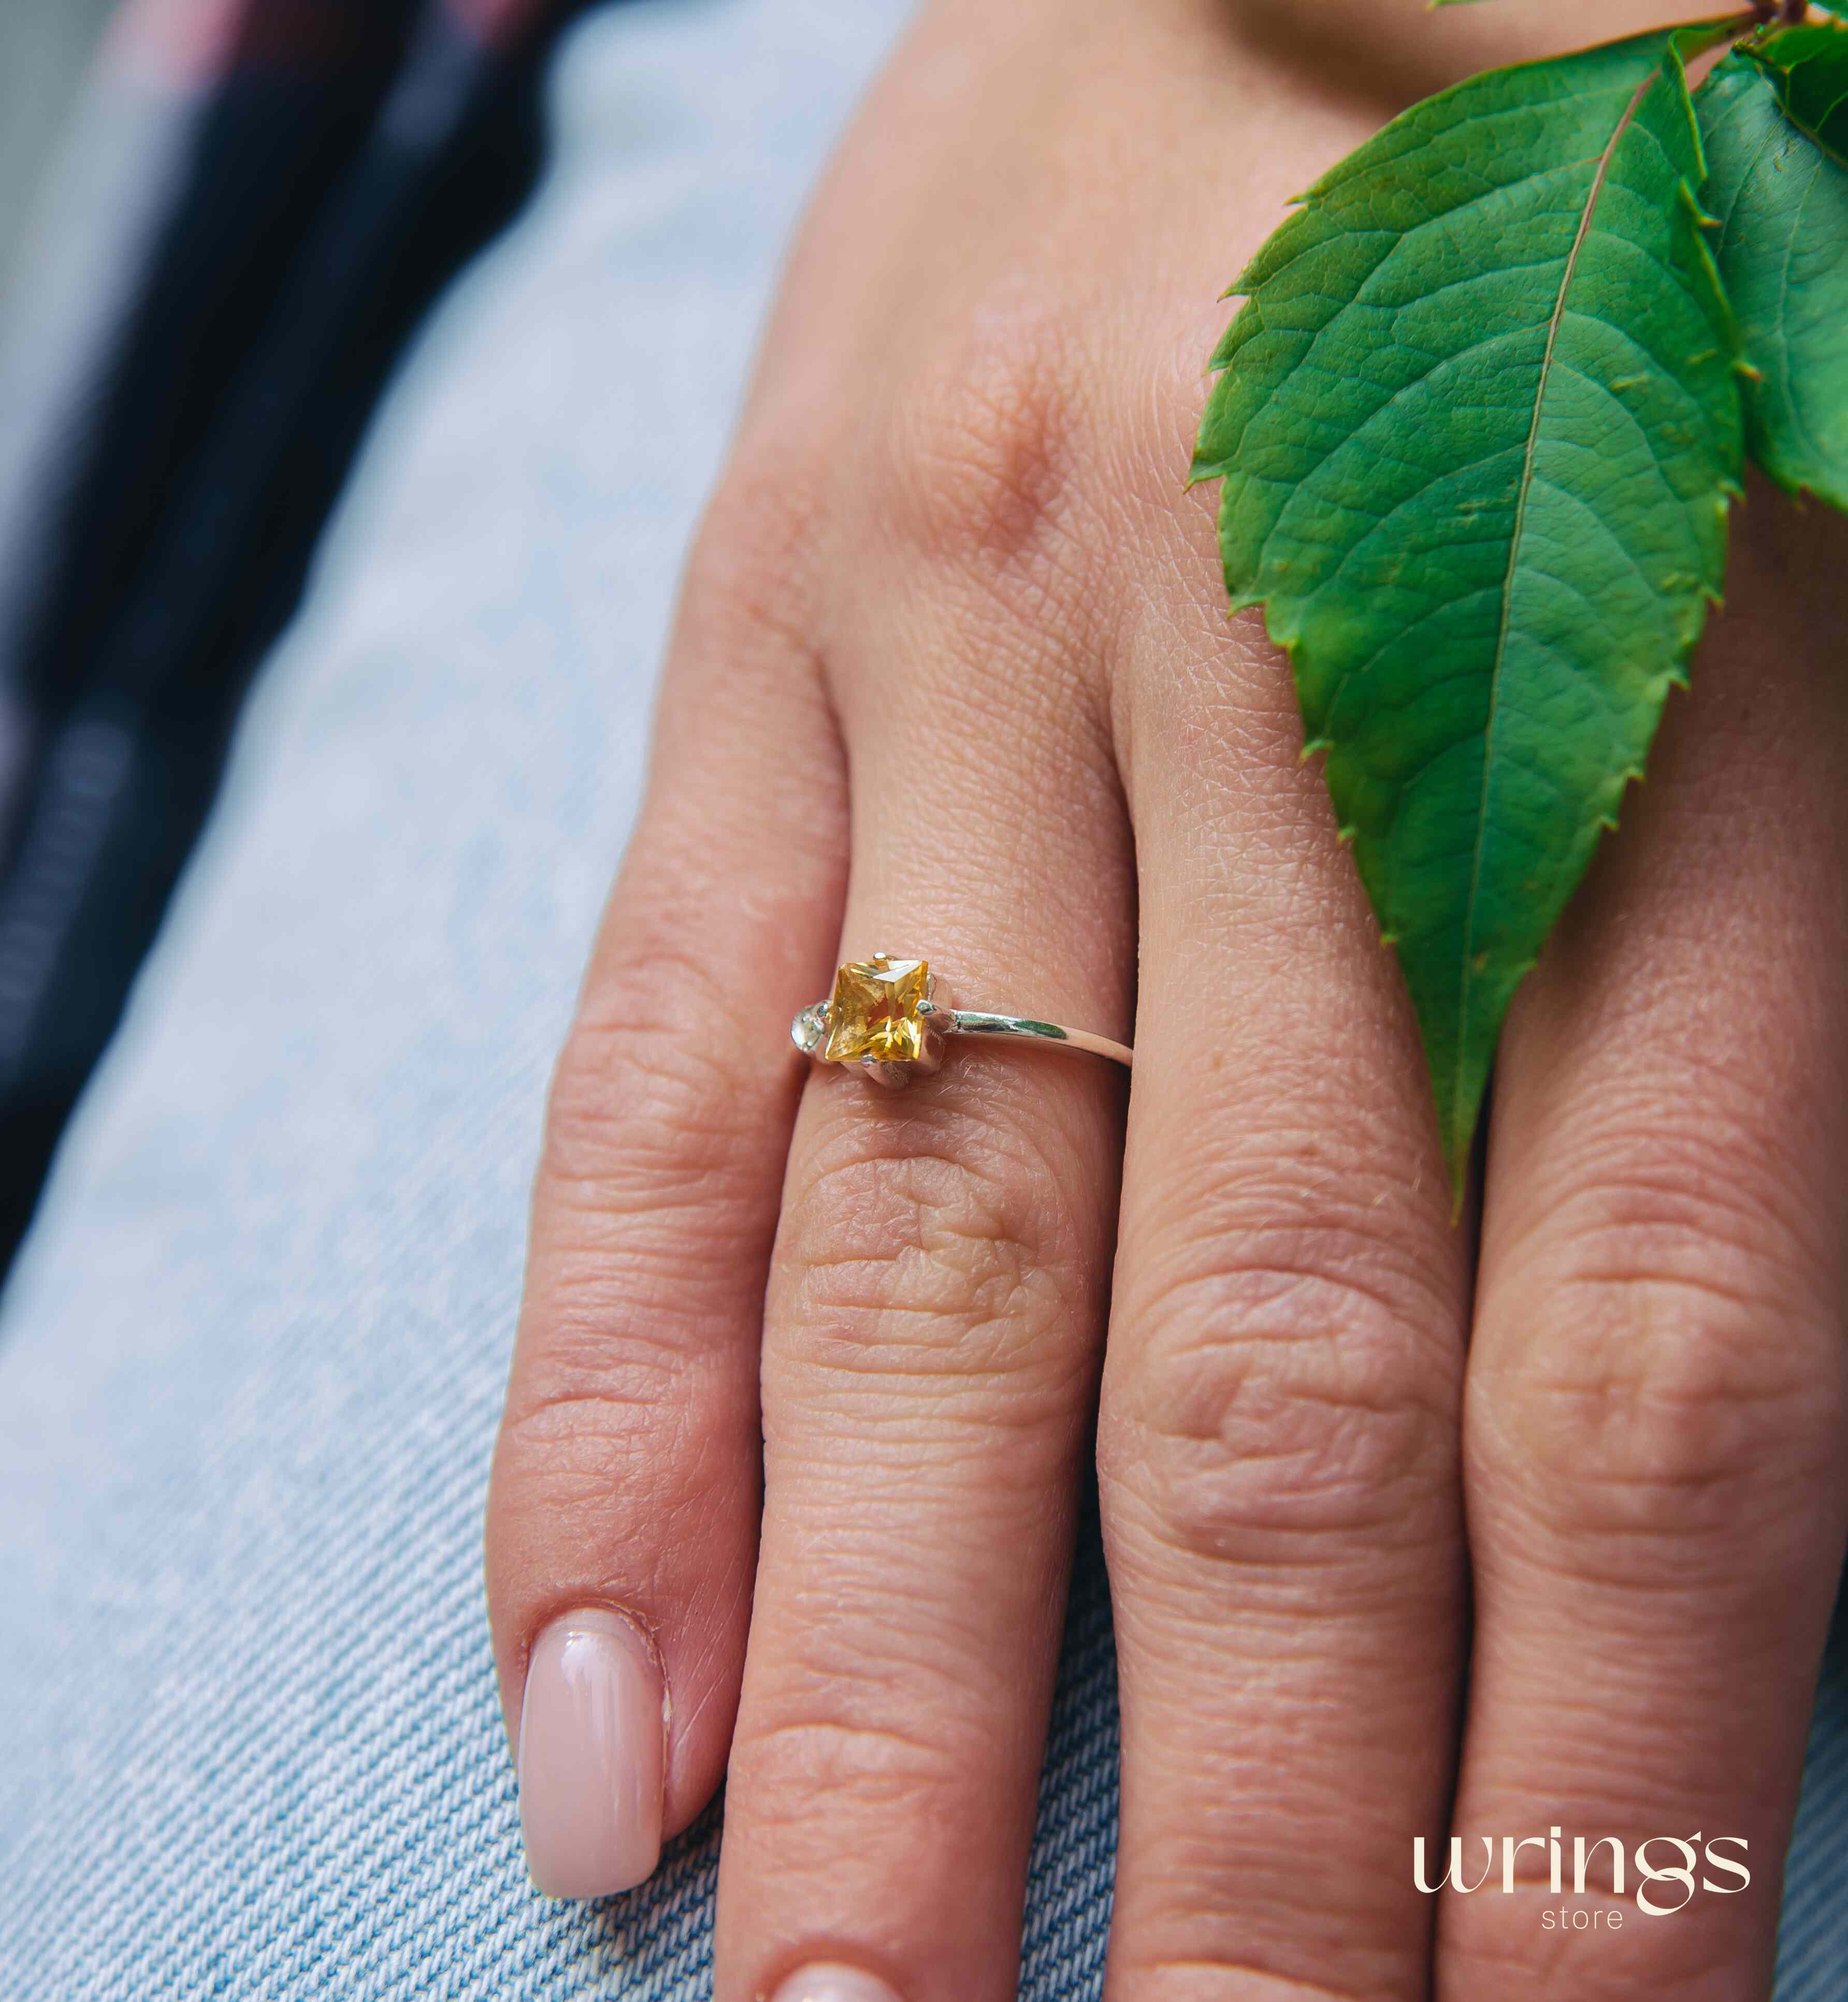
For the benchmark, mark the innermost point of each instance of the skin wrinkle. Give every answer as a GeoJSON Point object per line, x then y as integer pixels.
{"type": "Point", "coordinates": [1012, 1345]}
{"type": "Point", "coordinates": [880, 1766]}
{"type": "Point", "coordinates": [1694, 1200]}
{"type": "Point", "coordinates": [856, 1573]}
{"type": "Point", "coordinates": [855, 1675]}
{"type": "Point", "coordinates": [1719, 1307]}
{"type": "Point", "coordinates": [1610, 1459]}
{"type": "Point", "coordinates": [1200, 1511]}
{"type": "Point", "coordinates": [600, 1234]}
{"type": "Point", "coordinates": [1323, 1752]}
{"type": "Point", "coordinates": [1628, 1530]}
{"type": "Point", "coordinates": [1721, 1374]}
{"type": "Point", "coordinates": [607, 1161]}
{"type": "Point", "coordinates": [1294, 1614]}
{"type": "Point", "coordinates": [1303, 1566]}
{"type": "Point", "coordinates": [1310, 1304]}
{"type": "Point", "coordinates": [1628, 1565]}
{"type": "Point", "coordinates": [593, 1210]}
{"type": "Point", "coordinates": [946, 1178]}
{"type": "Point", "coordinates": [877, 1656]}
{"type": "Point", "coordinates": [578, 1570]}
{"type": "Point", "coordinates": [664, 986]}
{"type": "Point", "coordinates": [1214, 1382]}
{"type": "Point", "coordinates": [1310, 1233]}
{"type": "Point", "coordinates": [594, 1294]}
{"type": "Point", "coordinates": [1245, 1980]}
{"type": "Point", "coordinates": [1617, 1789]}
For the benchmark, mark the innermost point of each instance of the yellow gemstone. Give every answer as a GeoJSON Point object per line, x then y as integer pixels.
{"type": "Point", "coordinates": [874, 1012]}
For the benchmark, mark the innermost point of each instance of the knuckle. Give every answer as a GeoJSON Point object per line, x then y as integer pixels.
{"type": "Point", "coordinates": [645, 1163]}
{"type": "Point", "coordinates": [642, 1116]}
{"type": "Point", "coordinates": [938, 1245]}
{"type": "Point", "coordinates": [609, 1426]}
{"type": "Point", "coordinates": [977, 468]}
{"type": "Point", "coordinates": [1683, 1379]}
{"type": "Point", "coordinates": [589, 1425]}
{"type": "Point", "coordinates": [615, 1405]}
{"type": "Point", "coordinates": [1288, 1382]}
{"type": "Point", "coordinates": [865, 1705]}
{"type": "Point", "coordinates": [598, 1353]}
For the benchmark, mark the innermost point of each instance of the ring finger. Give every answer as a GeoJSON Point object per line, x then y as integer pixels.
{"type": "Point", "coordinates": [931, 1334]}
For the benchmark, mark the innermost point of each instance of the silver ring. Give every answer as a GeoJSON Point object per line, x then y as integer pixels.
{"type": "Point", "coordinates": [888, 1016]}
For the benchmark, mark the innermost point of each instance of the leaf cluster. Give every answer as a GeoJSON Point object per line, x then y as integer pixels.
{"type": "Point", "coordinates": [1479, 424]}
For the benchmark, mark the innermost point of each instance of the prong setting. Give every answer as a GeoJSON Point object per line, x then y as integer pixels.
{"type": "Point", "coordinates": [891, 1017]}
{"type": "Point", "coordinates": [809, 1029]}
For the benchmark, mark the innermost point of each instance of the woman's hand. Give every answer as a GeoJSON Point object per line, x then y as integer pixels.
{"type": "Point", "coordinates": [954, 677]}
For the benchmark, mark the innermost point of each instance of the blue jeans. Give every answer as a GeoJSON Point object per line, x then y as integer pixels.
{"type": "Point", "coordinates": [251, 1363]}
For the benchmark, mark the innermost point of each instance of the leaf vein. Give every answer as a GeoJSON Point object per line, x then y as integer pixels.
{"type": "Point", "coordinates": [1533, 439]}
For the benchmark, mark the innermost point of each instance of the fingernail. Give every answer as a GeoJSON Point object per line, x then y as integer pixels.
{"type": "Point", "coordinates": [830, 1982]}
{"type": "Point", "coordinates": [591, 1756]}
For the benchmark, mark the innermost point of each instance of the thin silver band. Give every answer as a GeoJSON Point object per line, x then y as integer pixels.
{"type": "Point", "coordinates": [1023, 1028]}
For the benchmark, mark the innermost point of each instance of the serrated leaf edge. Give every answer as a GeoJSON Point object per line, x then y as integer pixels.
{"type": "Point", "coordinates": [1688, 40]}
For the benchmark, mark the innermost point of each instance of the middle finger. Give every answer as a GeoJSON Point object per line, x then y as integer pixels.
{"type": "Point", "coordinates": [1277, 1437]}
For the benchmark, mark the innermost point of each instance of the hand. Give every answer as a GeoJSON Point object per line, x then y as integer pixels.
{"type": "Point", "coordinates": [953, 676]}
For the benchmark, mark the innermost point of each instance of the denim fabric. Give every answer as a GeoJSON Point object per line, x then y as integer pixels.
{"type": "Point", "coordinates": [1812, 1944]}
{"type": "Point", "coordinates": [250, 1365]}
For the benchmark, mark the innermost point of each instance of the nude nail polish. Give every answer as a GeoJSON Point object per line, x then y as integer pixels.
{"type": "Point", "coordinates": [592, 1756]}
{"type": "Point", "coordinates": [832, 1982]}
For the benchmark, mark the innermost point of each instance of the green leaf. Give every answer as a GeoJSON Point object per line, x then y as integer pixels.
{"type": "Point", "coordinates": [1782, 251]}
{"type": "Point", "coordinates": [1478, 428]}
{"type": "Point", "coordinates": [1808, 69]}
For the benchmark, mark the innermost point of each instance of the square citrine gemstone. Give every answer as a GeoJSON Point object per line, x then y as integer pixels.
{"type": "Point", "coordinates": [874, 1015]}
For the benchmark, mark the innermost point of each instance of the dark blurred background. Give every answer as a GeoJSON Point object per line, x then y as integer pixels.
{"type": "Point", "coordinates": [220, 220]}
